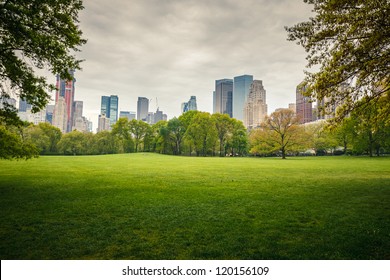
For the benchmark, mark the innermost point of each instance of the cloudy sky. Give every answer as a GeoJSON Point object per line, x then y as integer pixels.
{"type": "Point", "coordinates": [168, 50]}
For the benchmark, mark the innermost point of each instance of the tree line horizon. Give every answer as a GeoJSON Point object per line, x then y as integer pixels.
{"type": "Point", "coordinates": [197, 133]}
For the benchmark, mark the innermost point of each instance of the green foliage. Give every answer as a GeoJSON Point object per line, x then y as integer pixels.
{"type": "Point", "coordinates": [139, 130]}
{"type": "Point", "coordinates": [349, 40]}
{"type": "Point", "coordinates": [202, 133]}
{"type": "Point", "coordinates": [73, 143]}
{"type": "Point", "coordinates": [150, 206]}
{"type": "Point", "coordinates": [176, 130]}
{"type": "Point", "coordinates": [121, 130]}
{"type": "Point", "coordinates": [105, 142]}
{"type": "Point", "coordinates": [37, 33]}
{"type": "Point", "coordinates": [322, 139]}
{"type": "Point", "coordinates": [13, 146]}
{"type": "Point", "coordinates": [45, 137]}
{"type": "Point", "coordinates": [224, 126]}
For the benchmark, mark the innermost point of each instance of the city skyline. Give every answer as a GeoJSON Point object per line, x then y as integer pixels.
{"type": "Point", "coordinates": [181, 47]}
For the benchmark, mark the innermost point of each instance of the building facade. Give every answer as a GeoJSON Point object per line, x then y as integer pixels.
{"type": "Point", "coordinates": [127, 115]}
{"type": "Point", "coordinates": [304, 108]}
{"type": "Point", "coordinates": [60, 116]}
{"type": "Point", "coordinates": [65, 95]}
{"type": "Point", "coordinates": [242, 86]}
{"type": "Point", "coordinates": [190, 105]}
{"type": "Point", "coordinates": [255, 108]}
{"type": "Point", "coordinates": [109, 108]}
{"type": "Point", "coordinates": [103, 123]}
{"type": "Point", "coordinates": [223, 97]}
{"type": "Point", "coordinates": [142, 108]}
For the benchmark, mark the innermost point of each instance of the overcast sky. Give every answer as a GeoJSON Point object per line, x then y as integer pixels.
{"type": "Point", "coordinates": [171, 49]}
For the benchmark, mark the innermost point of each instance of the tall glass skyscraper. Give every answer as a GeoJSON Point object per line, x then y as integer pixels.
{"type": "Point", "coordinates": [113, 109]}
{"type": "Point", "coordinates": [241, 90]}
{"type": "Point", "coordinates": [142, 108]}
{"type": "Point", "coordinates": [109, 108]}
{"type": "Point", "coordinates": [223, 96]}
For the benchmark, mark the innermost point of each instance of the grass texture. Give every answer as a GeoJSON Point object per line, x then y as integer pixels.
{"type": "Point", "coordinates": [150, 206]}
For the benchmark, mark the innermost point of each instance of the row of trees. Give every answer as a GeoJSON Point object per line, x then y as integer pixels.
{"type": "Point", "coordinates": [365, 131]}
{"type": "Point", "coordinates": [193, 133]}
{"type": "Point", "coordinates": [203, 134]}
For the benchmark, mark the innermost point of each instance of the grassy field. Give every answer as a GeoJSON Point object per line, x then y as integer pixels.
{"type": "Point", "coordinates": [149, 206]}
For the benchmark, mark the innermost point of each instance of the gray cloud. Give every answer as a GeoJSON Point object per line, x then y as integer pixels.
{"type": "Point", "coordinates": [177, 48]}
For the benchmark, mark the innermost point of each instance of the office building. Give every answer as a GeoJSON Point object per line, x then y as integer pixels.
{"type": "Point", "coordinates": [49, 113]}
{"type": "Point", "coordinates": [242, 85]}
{"type": "Point", "coordinates": [109, 108]}
{"type": "Point", "coordinates": [128, 115]}
{"type": "Point", "coordinates": [255, 109]}
{"type": "Point", "coordinates": [103, 123]}
{"type": "Point", "coordinates": [60, 116]}
{"type": "Point", "coordinates": [190, 105]}
{"type": "Point", "coordinates": [303, 105]}
{"type": "Point", "coordinates": [142, 108]}
{"type": "Point", "coordinates": [65, 95]}
{"type": "Point", "coordinates": [223, 97]}
{"type": "Point", "coordinates": [113, 109]}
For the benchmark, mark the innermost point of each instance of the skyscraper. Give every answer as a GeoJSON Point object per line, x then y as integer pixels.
{"type": "Point", "coordinates": [109, 108]}
{"type": "Point", "coordinates": [142, 108]}
{"type": "Point", "coordinates": [241, 90]}
{"type": "Point", "coordinates": [255, 108]}
{"type": "Point", "coordinates": [303, 105]}
{"type": "Point", "coordinates": [105, 106]}
{"type": "Point", "coordinates": [190, 105]}
{"type": "Point", "coordinates": [65, 93]}
{"type": "Point", "coordinates": [60, 116]}
{"type": "Point", "coordinates": [223, 96]}
{"type": "Point", "coordinates": [113, 115]}
{"type": "Point", "coordinates": [103, 123]}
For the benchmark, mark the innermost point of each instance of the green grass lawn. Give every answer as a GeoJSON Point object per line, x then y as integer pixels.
{"type": "Point", "coordinates": [149, 206]}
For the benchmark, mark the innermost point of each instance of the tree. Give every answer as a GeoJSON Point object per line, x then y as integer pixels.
{"type": "Point", "coordinates": [13, 146]}
{"type": "Point", "coordinates": [121, 130]}
{"type": "Point", "coordinates": [35, 134]}
{"type": "Point", "coordinates": [161, 139]}
{"type": "Point", "coordinates": [138, 129]}
{"type": "Point", "coordinates": [239, 138]}
{"type": "Point", "coordinates": [73, 143]}
{"type": "Point", "coordinates": [186, 121]}
{"type": "Point", "coordinates": [345, 133]}
{"type": "Point", "coordinates": [202, 133]}
{"type": "Point", "coordinates": [103, 143]}
{"type": "Point", "coordinates": [39, 34]}
{"type": "Point", "coordinates": [224, 127]}
{"type": "Point", "coordinates": [322, 138]}
{"type": "Point", "coordinates": [280, 132]}
{"type": "Point", "coordinates": [54, 135]}
{"type": "Point", "coordinates": [371, 132]}
{"type": "Point", "coordinates": [176, 132]}
{"type": "Point", "coordinates": [350, 41]}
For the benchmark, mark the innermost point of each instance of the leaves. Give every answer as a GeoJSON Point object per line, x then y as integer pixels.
{"type": "Point", "coordinates": [350, 41]}
{"type": "Point", "coordinates": [39, 34]}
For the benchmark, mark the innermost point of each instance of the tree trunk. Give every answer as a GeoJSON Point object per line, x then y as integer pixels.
{"type": "Point", "coordinates": [283, 153]}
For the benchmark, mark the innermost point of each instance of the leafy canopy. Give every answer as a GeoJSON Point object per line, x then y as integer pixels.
{"type": "Point", "coordinates": [350, 42]}
{"type": "Point", "coordinates": [37, 34]}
